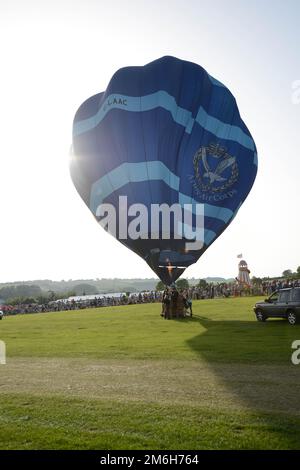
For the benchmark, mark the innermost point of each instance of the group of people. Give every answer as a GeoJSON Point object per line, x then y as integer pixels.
{"type": "Point", "coordinates": [272, 286]}
{"type": "Point", "coordinates": [176, 303]}
{"type": "Point", "coordinates": [234, 289]}
{"type": "Point", "coordinates": [72, 304]}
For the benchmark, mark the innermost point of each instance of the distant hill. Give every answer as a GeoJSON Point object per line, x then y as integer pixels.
{"type": "Point", "coordinates": [85, 286]}
{"type": "Point", "coordinates": [218, 279]}
{"type": "Point", "coordinates": [78, 286]}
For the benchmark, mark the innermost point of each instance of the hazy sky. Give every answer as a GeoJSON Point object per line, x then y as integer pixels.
{"type": "Point", "coordinates": [55, 54]}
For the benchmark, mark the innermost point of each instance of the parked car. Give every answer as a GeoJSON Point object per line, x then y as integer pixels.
{"type": "Point", "coordinates": [1, 314]}
{"type": "Point", "coordinates": [284, 303]}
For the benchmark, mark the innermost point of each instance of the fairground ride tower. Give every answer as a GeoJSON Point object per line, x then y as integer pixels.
{"type": "Point", "coordinates": [244, 274]}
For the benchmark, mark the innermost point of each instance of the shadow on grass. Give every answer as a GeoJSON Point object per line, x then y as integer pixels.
{"type": "Point", "coordinates": [242, 341]}
{"type": "Point", "coordinates": [252, 361]}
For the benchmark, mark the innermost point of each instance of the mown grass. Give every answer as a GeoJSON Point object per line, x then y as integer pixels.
{"type": "Point", "coordinates": [43, 423]}
{"type": "Point", "coordinates": [221, 332]}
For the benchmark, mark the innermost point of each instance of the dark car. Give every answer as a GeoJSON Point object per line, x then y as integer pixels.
{"type": "Point", "coordinates": [284, 303]}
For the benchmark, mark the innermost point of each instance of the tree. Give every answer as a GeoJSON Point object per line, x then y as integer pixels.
{"type": "Point", "coordinates": [21, 300]}
{"type": "Point", "coordinates": [20, 290]}
{"type": "Point", "coordinates": [42, 299]}
{"type": "Point", "coordinates": [182, 284]}
{"type": "Point", "coordinates": [85, 289]}
{"type": "Point", "coordinates": [257, 281]}
{"type": "Point", "coordinates": [70, 293]}
{"type": "Point", "coordinates": [51, 296]}
{"type": "Point", "coordinates": [202, 284]}
{"type": "Point", "coordinates": [159, 286]}
{"type": "Point", "coordinates": [287, 273]}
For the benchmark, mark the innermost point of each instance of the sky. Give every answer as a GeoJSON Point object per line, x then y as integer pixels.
{"type": "Point", "coordinates": [55, 54]}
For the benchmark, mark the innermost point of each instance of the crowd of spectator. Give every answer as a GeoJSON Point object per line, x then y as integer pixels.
{"type": "Point", "coordinates": [83, 303]}
{"type": "Point", "coordinates": [207, 291]}
{"type": "Point", "coordinates": [269, 287]}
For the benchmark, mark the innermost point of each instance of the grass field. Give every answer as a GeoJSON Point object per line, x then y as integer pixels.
{"type": "Point", "coordinates": [124, 378]}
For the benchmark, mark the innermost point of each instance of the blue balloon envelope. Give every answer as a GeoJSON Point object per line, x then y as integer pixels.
{"type": "Point", "coordinates": [164, 133]}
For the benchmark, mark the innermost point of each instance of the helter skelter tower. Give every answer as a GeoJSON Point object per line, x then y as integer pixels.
{"type": "Point", "coordinates": [244, 274]}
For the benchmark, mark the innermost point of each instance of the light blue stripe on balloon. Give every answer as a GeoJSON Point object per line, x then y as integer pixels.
{"type": "Point", "coordinates": [142, 172]}
{"type": "Point", "coordinates": [221, 213]}
{"type": "Point", "coordinates": [162, 99]}
{"type": "Point", "coordinates": [222, 130]}
{"type": "Point", "coordinates": [255, 160]}
{"type": "Point", "coordinates": [209, 235]}
{"type": "Point", "coordinates": [216, 82]}
{"type": "Point", "coordinates": [130, 173]}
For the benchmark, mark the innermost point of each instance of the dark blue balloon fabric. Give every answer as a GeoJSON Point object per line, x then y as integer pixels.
{"type": "Point", "coordinates": [166, 132]}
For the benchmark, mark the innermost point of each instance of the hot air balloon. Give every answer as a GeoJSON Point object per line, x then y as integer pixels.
{"type": "Point", "coordinates": [166, 134]}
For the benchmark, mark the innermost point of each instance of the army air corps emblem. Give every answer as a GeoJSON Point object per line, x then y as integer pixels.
{"type": "Point", "coordinates": [215, 170]}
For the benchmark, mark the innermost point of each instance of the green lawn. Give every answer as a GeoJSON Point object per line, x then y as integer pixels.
{"type": "Point", "coordinates": [123, 377]}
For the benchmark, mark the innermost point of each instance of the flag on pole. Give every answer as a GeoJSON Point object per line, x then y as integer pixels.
{"type": "Point", "coordinates": [240, 256]}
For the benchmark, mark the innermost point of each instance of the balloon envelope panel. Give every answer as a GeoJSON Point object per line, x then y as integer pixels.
{"type": "Point", "coordinates": [166, 132]}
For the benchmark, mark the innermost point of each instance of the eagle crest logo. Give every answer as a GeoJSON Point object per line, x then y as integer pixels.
{"type": "Point", "coordinates": [215, 170]}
